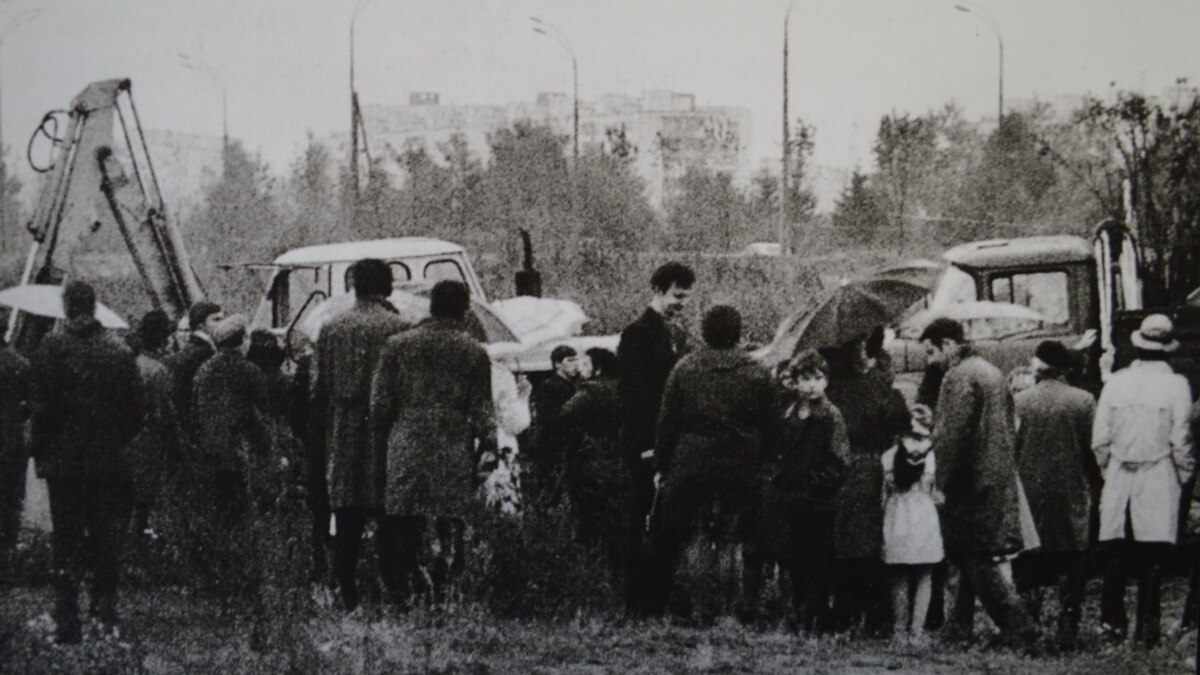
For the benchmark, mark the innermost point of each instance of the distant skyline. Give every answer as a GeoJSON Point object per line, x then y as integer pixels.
{"type": "Point", "coordinates": [284, 64]}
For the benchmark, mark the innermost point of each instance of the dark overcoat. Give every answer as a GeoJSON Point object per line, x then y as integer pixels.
{"type": "Point", "coordinates": [14, 408]}
{"type": "Point", "coordinates": [154, 453]}
{"type": "Point", "coordinates": [183, 365]}
{"type": "Point", "coordinates": [1055, 460]}
{"type": "Point", "coordinates": [592, 417]}
{"type": "Point", "coordinates": [974, 440]}
{"type": "Point", "coordinates": [873, 413]}
{"type": "Point", "coordinates": [645, 356]}
{"type": "Point", "coordinates": [550, 434]}
{"type": "Point", "coordinates": [347, 355]}
{"type": "Point", "coordinates": [432, 412]}
{"type": "Point", "coordinates": [87, 403]}
{"type": "Point", "coordinates": [230, 410]}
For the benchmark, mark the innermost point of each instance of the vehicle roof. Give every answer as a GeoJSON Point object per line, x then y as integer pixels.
{"type": "Point", "coordinates": [384, 249]}
{"type": "Point", "coordinates": [1061, 248]}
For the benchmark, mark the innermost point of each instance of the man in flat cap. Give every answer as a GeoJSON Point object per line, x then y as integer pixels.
{"type": "Point", "coordinates": [1059, 473]}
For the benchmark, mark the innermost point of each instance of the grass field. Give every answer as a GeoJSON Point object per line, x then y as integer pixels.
{"type": "Point", "coordinates": [165, 631]}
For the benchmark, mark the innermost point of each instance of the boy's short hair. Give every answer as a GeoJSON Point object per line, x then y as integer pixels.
{"type": "Point", "coordinates": [940, 330]}
{"type": "Point", "coordinates": [449, 299]}
{"type": "Point", "coordinates": [721, 327]}
{"type": "Point", "coordinates": [562, 353]}
{"type": "Point", "coordinates": [808, 362]}
{"type": "Point", "coordinates": [371, 278]}
{"type": "Point", "coordinates": [672, 274]}
{"type": "Point", "coordinates": [603, 360]}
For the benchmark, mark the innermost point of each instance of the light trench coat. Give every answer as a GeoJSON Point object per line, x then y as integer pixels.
{"type": "Point", "coordinates": [1144, 448]}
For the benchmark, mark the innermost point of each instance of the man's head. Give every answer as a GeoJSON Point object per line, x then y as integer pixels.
{"type": "Point", "coordinates": [807, 375]}
{"type": "Point", "coordinates": [943, 340]}
{"type": "Point", "coordinates": [449, 300]}
{"type": "Point", "coordinates": [154, 330]}
{"type": "Point", "coordinates": [372, 278]}
{"type": "Point", "coordinates": [672, 286]}
{"type": "Point", "coordinates": [604, 362]}
{"type": "Point", "coordinates": [230, 332]}
{"type": "Point", "coordinates": [562, 360]}
{"type": "Point", "coordinates": [1155, 339]}
{"type": "Point", "coordinates": [721, 327]}
{"type": "Point", "coordinates": [79, 301]}
{"type": "Point", "coordinates": [1052, 359]}
{"type": "Point", "coordinates": [204, 316]}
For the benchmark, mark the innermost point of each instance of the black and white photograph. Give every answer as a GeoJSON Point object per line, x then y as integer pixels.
{"type": "Point", "coordinates": [599, 336]}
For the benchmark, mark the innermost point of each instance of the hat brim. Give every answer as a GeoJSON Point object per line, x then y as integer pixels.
{"type": "Point", "coordinates": [1142, 342]}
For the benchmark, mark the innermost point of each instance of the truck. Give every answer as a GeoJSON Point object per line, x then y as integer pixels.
{"type": "Point", "coordinates": [1075, 287]}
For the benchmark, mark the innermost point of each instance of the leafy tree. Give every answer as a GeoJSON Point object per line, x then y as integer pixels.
{"type": "Point", "coordinates": [706, 213]}
{"type": "Point", "coordinates": [905, 149]}
{"type": "Point", "coordinates": [11, 228]}
{"type": "Point", "coordinates": [857, 210]}
{"type": "Point", "coordinates": [312, 196]}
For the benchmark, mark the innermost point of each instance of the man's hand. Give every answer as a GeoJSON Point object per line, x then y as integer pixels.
{"type": "Point", "coordinates": [1086, 340]}
{"type": "Point", "coordinates": [648, 454]}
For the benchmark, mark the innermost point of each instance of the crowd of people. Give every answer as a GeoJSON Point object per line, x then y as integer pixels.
{"type": "Point", "coordinates": [818, 471]}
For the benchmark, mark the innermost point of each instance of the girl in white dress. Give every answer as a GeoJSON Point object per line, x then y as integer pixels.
{"type": "Point", "coordinates": [912, 535]}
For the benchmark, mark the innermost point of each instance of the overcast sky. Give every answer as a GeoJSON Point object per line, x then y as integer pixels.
{"type": "Point", "coordinates": [284, 63]}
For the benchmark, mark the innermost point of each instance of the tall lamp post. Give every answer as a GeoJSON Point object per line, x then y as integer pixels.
{"type": "Point", "coordinates": [542, 28]}
{"type": "Point", "coordinates": [17, 21]}
{"type": "Point", "coordinates": [987, 19]}
{"type": "Point", "coordinates": [785, 171]}
{"type": "Point", "coordinates": [355, 112]}
{"type": "Point", "coordinates": [199, 64]}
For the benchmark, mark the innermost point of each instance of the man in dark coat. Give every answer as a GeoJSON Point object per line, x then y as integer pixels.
{"type": "Point", "coordinates": [1060, 477]}
{"type": "Point", "coordinates": [87, 408]}
{"type": "Point", "coordinates": [648, 350]}
{"type": "Point", "coordinates": [806, 472]}
{"type": "Point", "coordinates": [154, 456]}
{"type": "Point", "coordinates": [594, 468]}
{"type": "Point", "coordinates": [546, 454]}
{"type": "Point", "coordinates": [14, 453]}
{"type": "Point", "coordinates": [714, 433]}
{"type": "Point", "coordinates": [432, 412]}
{"type": "Point", "coordinates": [203, 317]}
{"type": "Point", "coordinates": [874, 413]}
{"type": "Point", "coordinates": [974, 442]}
{"type": "Point", "coordinates": [347, 356]}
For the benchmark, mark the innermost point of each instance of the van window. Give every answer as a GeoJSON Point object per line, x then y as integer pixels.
{"type": "Point", "coordinates": [1046, 293]}
{"type": "Point", "coordinates": [440, 270]}
{"type": "Point", "coordinates": [400, 272]}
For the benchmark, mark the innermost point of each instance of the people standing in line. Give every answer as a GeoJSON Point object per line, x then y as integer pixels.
{"type": "Point", "coordinates": [1059, 474]}
{"type": "Point", "coordinates": [714, 434]}
{"type": "Point", "coordinates": [14, 450]}
{"type": "Point", "coordinates": [347, 357]}
{"type": "Point", "coordinates": [86, 409]}
{"type": "Point", "coordinates": [431, 410]}
{"type": "Point", "coordinates": [974, 442]}
{"type": "Point", "coordinates": [1143, 445]}
{"type": "Point", "coordinates": [874, 413]}
{"type": "Point", "coordinates": [805, 473]}
{"type": "Point", "coordinates": [203, 318]}
{"type": "Point", "coordinates": [595, 474]}
{"type": "Point", "coordinates": [546, 456]}
{"type": "Point", "coordinates": [648, 350]}
{"type": "Point", "coordinates": [912, 536]}
{"type": "Point", "coordinates": [154, 455]}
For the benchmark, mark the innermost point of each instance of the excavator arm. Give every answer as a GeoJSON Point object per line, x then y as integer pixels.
{"type": "Point", "coordinates": [99, 178]}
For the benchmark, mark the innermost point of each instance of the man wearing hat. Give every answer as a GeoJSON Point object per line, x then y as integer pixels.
{"type": "Point", "coordinates": [1144, 448]}
{"type": "Point", "coordinates": [1058, 471]}
{"type": "Point", "coordinates": [203, 318]}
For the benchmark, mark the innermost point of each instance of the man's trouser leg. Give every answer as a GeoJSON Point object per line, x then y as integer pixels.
{"type": "Point", "coordinates": [999, 598]}
{"type": "Point", "coordinates": [638, 572]}
{"type": "Point", "coordinates": [1150, 557]}
{"type": "Point", "coordinates": [1072, 584]}
{"type": "Point", "coordinates": [1112, 597]}
{"type": "Point", "coordinates": [67, 508]}
{"type": "Point", "coordinates": [13, 463]}
{"type": "Point", "coordinates": [347, 540]}
{"type": "Point", "coordinates": [400, 548]}
{"type": "Point", "coordinates": [107, 512]}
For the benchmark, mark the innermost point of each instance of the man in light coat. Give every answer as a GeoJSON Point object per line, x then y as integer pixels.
{"type": "Point", "coordinates": [347, 353]}
{"type": "Point", "coordinates": [1144, 448]}
{"type": "Point", "coordinates": [974, 441]}
{"type": "Point", "coordinates": [1059, 473]}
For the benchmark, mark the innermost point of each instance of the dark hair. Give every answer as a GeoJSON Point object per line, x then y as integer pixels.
{"type": "Point", "coordinates": [875, 342]}
{"type": "Point", "coordinates": [808, 362]}
{"type": "Point", "coordinates": [199, 312]}
{"type": "Point", "coordinates": [940, 330]}
{"type": "Point", "coordinates": [721, 327]}
{"type": "Point", "coordinates": [603, 361]}
{"type": "Point", "coordinates": [905, 473]}
{"type": "Point", "coordinates": [562, 353]}
{"type": "Point", "coordinates": [371, 278]}
{"type": "Point", "coordinates": [78, 299]}
{"type": "Point", "coordinates": [672, 274]}
{"type": "Point", "coordinates": [449, 299]}
{"type": "Point", "coordinates": [153, 330]}
{"type": "Point", "coordinates": [265, 350]}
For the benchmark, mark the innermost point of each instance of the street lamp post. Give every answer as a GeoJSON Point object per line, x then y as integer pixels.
{"type": "Point", "coordinates": [785, 169]}
{"type": "Point", "coordinates": [987, 19]}
{"type": "Point", "coordinates": [17, 21]}
{"type": "Point", "coordinates": [542, 28]}
{"type": "Point", "coordinates": [355, 113]}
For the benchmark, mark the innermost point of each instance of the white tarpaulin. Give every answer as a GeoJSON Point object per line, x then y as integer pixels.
{"type": "Point", "coordinates": [538, 320]}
